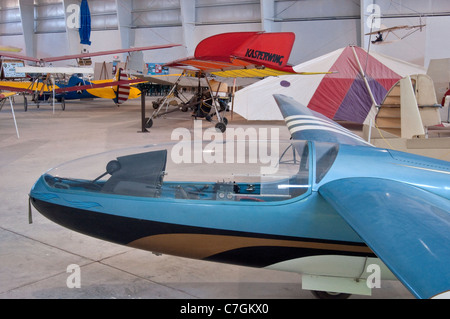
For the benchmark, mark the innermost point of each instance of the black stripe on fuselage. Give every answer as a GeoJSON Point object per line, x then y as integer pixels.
{"type": "Point", "coordinates": [124, 230]}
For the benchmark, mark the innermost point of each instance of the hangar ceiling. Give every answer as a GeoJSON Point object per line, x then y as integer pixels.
{"type": "Point", "coordinates": [337, 23]}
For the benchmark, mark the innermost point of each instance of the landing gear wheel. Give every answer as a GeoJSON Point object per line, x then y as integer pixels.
{"type": "Point", "coordinates": [221, 127]}
{"type": "Point", "coordinates": [184, 108]}
{"type": "Point", "coordinates": [329, 295]}
{"type": "Point", "coordinates": [25, 104]}
{"type": "Point", "coordinates": [149, 123]}
{"type": "Point", "coordinates": [63, 104]}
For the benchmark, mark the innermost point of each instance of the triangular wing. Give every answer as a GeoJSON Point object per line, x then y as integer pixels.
{"type": "Point", "coordinates": [406, 227]}
{"type": "Point", "coordinates": [305, 124]}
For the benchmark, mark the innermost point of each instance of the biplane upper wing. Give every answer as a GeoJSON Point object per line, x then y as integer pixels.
{"type": "Point", "coordinates": [407, 227]}
{"type": "Point", "coordinates": [242, 54]}
{"type": "Point", "coordinates": [18, 57]}
{"type": "Point", "coordinates": [84, 55]}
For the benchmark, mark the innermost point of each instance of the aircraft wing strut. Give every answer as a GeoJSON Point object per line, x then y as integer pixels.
{"type": "Point", "coordinates": [405, 226]}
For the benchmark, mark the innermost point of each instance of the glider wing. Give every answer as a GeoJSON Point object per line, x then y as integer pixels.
{"type": "Point", "coordinates": [406, 227]}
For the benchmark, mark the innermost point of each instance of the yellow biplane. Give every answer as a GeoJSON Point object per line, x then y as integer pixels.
{"type": "Point", "coordinates": [42, 85]}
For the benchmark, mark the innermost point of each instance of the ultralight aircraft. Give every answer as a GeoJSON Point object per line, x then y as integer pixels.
{"type": "Point", "coordinates": [236, 55]}
{"type": "Point", "coordinates": [383, 33]}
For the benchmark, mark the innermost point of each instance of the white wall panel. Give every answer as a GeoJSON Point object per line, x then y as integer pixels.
{"type": "Point", "coordinates": [316, 38]}
{"type": "Point", "coordinates": [202, 32]}
{"type": "Point", "coordinates": [103, 41]}
{"type": "Point", "coordinates": [103, 14]}
{"type": "Point", "coordinates": [238, 12]}
{"type": "Point", "coordinates": [52, 44]}
{"type": "Point", "coordinates": [316, 9]}
{"type": "Point", "coordinates": [17, 41]}
{"type": "Point", "coordinates": [49, 16]}
{"type": "Point", "coordinates": [437, 42]}
{"type": "Point", "coordinates": [10, 22]}
{"type": "Point", "coordinates": [157, 36]}
{"type": "Point", "coordinates": [156, 13]}
{"type": "Point", "coordinates": [320, 26]}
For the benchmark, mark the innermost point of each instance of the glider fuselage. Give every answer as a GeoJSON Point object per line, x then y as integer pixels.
{"type": "Point", "coordinates": [281, 224]}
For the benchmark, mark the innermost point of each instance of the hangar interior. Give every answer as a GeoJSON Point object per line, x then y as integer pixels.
{"type": "Point", "coordinates": [40, 28]}
{"type": "Point", "coordinates": [35, 258]}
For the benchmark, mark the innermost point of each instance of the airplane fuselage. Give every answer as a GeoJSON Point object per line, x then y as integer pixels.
{"type": "Point", "coordinates": [248, 224]}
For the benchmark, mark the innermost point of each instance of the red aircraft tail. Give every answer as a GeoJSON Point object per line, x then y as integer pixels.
{"type": "Point", "coordinates": [123, 90]}
{"type": "Point", "coordinates": [268, 49]}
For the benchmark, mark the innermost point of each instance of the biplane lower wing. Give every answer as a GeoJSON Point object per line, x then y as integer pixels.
{"type": "Point", "coordinates": [102, 88]}
{"type": "Point", "coordinates": [106, 83]}
{"type": "Point", "coordinates": [20, 87]}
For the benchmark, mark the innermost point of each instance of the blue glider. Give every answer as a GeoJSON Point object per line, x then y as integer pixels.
{"type": "Point", "coordinates": [325, 204]}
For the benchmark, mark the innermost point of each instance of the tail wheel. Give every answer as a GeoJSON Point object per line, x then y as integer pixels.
{"type": "Point", "coordinates": [221, 127]}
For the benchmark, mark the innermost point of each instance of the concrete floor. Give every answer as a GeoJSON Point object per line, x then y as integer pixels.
{"type": "Point", "coordinates": [34, 257]}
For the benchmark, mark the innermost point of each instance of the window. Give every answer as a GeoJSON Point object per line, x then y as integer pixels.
{"type": "Point", "coordinates": [281, 172]}
{"type": "Point", "coordinates": [325, 155]}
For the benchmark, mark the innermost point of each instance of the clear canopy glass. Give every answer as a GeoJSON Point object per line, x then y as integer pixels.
{"type": "Point", "coordinates": [257, 171]}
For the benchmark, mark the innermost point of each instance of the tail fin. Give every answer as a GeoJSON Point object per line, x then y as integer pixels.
{"type": "Point", "coordinates": [123, 90]}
